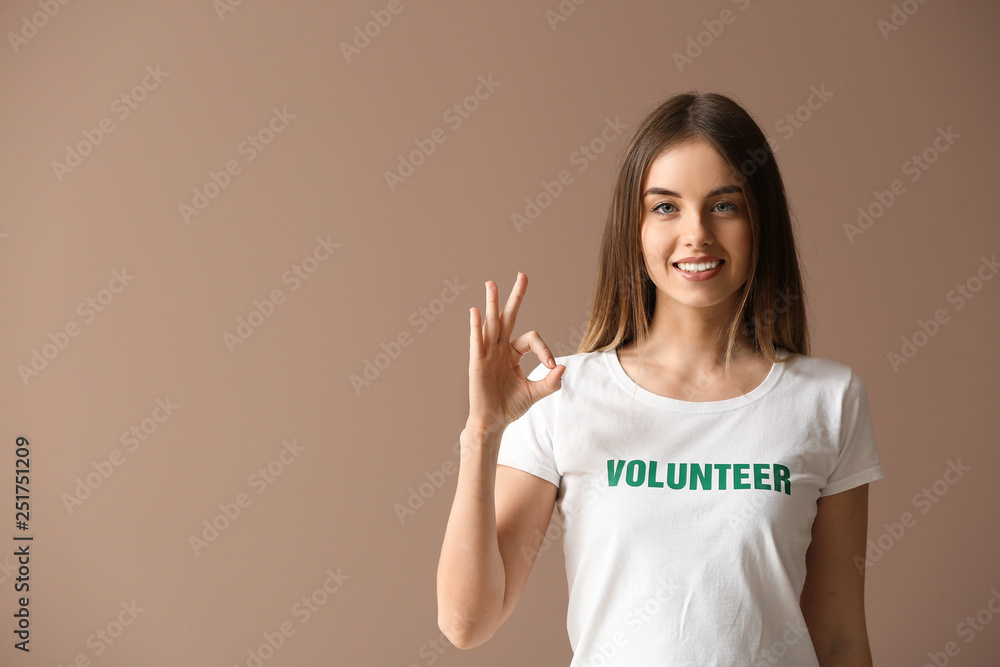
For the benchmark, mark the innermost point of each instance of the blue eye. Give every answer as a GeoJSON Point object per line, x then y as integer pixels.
{"type": "Point", "coordinates": [656, 209]}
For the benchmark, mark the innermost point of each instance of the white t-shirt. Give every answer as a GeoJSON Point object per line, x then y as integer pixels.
{"type": "Point", "coordinates": [685, 524]}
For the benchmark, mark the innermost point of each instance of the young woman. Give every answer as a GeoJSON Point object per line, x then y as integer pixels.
{"type": "Point", "coordinates": [711, 478]}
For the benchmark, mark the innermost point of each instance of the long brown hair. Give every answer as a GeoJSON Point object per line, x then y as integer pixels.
{"type": "Point", "coordinates": [772, 309]}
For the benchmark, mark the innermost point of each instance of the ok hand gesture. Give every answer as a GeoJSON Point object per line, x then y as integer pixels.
{"type": "Point", "coordinates": [499, 393]}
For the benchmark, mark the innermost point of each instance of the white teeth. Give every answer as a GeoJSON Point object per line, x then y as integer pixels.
{"type": "Point", "coordinates": [698, 268]}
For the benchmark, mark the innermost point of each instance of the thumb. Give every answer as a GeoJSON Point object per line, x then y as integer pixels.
{"type": "Point", "coordinates": [549, 384]}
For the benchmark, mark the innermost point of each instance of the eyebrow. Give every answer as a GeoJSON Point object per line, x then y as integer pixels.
{"type": "Point", "coordinates": [725, 189]}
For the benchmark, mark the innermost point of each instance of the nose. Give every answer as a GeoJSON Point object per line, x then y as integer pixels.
{"type": "Point", "coordinates": [695, 232]}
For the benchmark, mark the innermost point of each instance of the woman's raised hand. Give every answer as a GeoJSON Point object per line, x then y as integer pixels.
{"type": "Point", "coordinates": [499, 393]}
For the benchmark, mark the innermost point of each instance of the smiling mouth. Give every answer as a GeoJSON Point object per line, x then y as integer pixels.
{"type": "Point", "coordinates": [700, 267]}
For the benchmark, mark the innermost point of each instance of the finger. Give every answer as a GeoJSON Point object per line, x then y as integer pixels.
{"type": "Point", "coordinates": [513, 304]}
{"type": "Point", "coordinates": [549, 384]}
{"type": "Point", "coordinates": [533, 341]}
{"type": "Point", "coordinates": [476, 336]}
{"type": "Point", "coordinates": [492, 327]}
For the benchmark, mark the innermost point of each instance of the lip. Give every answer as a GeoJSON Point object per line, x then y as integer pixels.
{"type": "Point", "coordinates": [702, 276]}
{"type": "Point", "coordinates": [696, 260]}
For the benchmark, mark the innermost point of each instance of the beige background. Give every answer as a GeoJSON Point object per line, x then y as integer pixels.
{"type": "Point", "coordinates": [363, 453]}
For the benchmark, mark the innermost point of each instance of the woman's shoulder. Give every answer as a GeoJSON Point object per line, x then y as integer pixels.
{"type": "Point", "coordinates": [813, 369]}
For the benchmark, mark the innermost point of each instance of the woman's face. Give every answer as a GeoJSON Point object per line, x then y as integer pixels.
{"type": "Point", "coordinates": [693, 209]}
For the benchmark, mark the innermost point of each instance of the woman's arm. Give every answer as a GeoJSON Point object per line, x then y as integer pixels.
{"type": "Point", "coordinates": [486, 554]}
{"type": "Point", "coordinates": [490, 543]}
{"type": "Point", "coordinates": [833, 596]}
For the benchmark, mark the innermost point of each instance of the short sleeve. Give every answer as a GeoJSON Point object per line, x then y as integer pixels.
{"type": "Point", "coordinates": [858, 462]}
{"type": "Point", "coordinates": [527, 443]}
